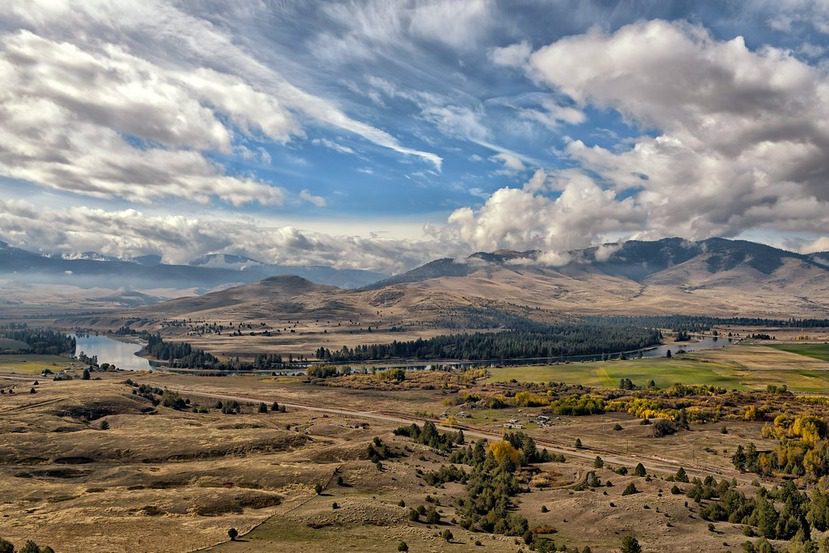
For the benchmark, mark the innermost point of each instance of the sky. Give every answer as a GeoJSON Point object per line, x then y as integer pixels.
{"type": "Point", "coordinates": [382, 134]}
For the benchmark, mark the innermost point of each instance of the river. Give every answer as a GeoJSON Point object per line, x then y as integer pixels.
{"type": "Point", "coordinates": [114, 352]}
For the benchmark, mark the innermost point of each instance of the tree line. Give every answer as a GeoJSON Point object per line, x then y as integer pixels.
{"type": "Point", "coordinates": [39, 340]}
{"type": "Point", "coordinates": [532, 342]}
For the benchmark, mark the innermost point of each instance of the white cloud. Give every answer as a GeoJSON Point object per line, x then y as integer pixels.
{"type": "Point", "coordinates": [331, 145]}
{"type": "Point", "coordinates": [741, 142]}
{"type": "Point", "coordinates": [67, 115]}
{"type": "Point", "coordinates": [130, 76]}
{"type": "Point", "coordinates": [318, 201]}
{"type": "Point", "coordinates": [129, 232]}
{"type": "Point", "coordinates": [511, 163]}
{"type": "Point", "coordinates": [514, 55]}
{"type": "Point", "coordinates": [552, 115]}
{"type": "Point", "coordinates": [520, 219]}
{"type": "Point", "coordinates": [369, 28]}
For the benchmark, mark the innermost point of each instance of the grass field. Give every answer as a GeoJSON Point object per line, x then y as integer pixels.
{"type": "Point", "coordinates": [33, 364]}
{"type": "Point", "coordinates": [817, 351]}
{"type": "Point", "coordinates": [738, 367]}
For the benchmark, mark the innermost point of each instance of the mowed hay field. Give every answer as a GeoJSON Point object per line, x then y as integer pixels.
{"type": "Point", "coordinates": [735, 367]}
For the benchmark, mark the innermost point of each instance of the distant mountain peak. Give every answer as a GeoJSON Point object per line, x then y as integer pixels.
{"type": "Point", "coordinates": [225, 261]}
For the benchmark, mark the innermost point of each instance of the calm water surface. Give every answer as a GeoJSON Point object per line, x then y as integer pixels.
{"type": "Point", "coordinates": [120, 354]}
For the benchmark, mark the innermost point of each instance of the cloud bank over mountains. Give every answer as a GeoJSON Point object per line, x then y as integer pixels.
{"type": "Point", "coordinates": [188, 128]}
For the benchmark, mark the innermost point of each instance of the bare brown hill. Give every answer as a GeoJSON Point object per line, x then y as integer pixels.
{"type": "Point", "coordinates": [714, 277]}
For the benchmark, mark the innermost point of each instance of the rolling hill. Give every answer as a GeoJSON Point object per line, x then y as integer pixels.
{"type": "Point", "coordinates": [671, 276]}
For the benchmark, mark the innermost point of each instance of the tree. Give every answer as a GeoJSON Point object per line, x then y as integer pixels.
{"type": "Point", "coordinates": [447, 535]}
{"type": "Point", "coordinates": [631, 545]}
{"type": "Point", "coordinates": [233, 533]}
{"type": "Point", "coordinates": [598, 462]}
{"type": "Point", "coordinates": [630, 489]}
{"type": "Point", "coordinates": [402, 546]}
{"type": "Point", "coordinates": [85, 374]}
{"type": "Point", "coordinates": [681, 475]}
{"type": "Point", "coordinates": [668, 354]}
{"type": "Point", "coordinates": [104, 425]}
{"type": "Point", "coordinates": [263, 408]}
{"type": "Point", "coordinates": [318, 488]}
{"type": "Point", "coordinates": [274, 406]}
{"type": "Point", "coordinates": [6, 547]}
{"type": "Point", "coordinates": [578, 443]}
{"type": "Point", "coordinates": [30, 547]}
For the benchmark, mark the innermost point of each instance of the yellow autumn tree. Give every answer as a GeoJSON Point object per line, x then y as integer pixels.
{"type": "Point", "coordinates": [502, 451]}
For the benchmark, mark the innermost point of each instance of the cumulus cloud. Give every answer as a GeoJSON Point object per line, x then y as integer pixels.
{"type": "Point", "coordinates": [515, 218]}
{"type": "Point", "coordinates": [130, 232]}
{"type": "Point", "coordinates": [739, 140]}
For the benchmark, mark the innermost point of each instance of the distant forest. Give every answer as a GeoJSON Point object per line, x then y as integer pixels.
{"type": "Point", "coordinates": [39, 341]}
{"type": "Point", "coordinates": [534, 341]}
{"type": "Point", "coordinates": [698, 324]}
{"type": "Point", "coordinates": [184, 355]}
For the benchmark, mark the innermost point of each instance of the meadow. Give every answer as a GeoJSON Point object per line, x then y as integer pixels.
{"type": "Point", "coordinates": [818, 351]}
{"type": "Point", "coordinates": [34, 364]}
{"type": "Point", "coordinates": [739, 367]}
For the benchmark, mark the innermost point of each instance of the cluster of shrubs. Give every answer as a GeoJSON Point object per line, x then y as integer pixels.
{"type": "Point", "coordinates": [429, 435]}
{"type": "Point", "coordinates": [378, 451]}
{"type": "Point", "coordinates": [796, 518]}
{"type": "Point", "coordinates": [28, 547]}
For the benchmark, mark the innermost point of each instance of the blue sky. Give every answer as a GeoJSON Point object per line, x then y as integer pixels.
{"type": "Point", "coordinates": [383, 134]}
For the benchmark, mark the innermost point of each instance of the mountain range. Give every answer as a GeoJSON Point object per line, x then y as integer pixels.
{"type": "Point", "coordinates": [91, 269]}
{"type": "Point", "coordinates": [671, 276]}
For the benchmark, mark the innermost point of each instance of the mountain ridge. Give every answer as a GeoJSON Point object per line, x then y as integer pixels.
{"type": "Point", "coordinates": [669, 276]}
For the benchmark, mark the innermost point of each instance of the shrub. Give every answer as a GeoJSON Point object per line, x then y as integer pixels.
{"type": "Point", "coordinates": [640, 470]}
{"type": "Point", "coordinates": [30, 547]}
{"type": "Point", "coordinates": [664, 427]}
{"type": "Point", "coordinates": [233, 533]}
{"type": "Point", "coordinates": [630, 489]}
{"type": "Point", "coordinates": [402, 546]}
{"type": "Point", "coordinates": [447, 535]}
{"type": "Point", "coordinates": [578, 444]}
{"type": "Point", "coordinates": [318, 488]}
{"type": "Point", "coordinates": [263, 408]}
{"type": "Point", "coordinates": [104, 425]}
{"type": "Point", "coordinates": [631, 544]}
